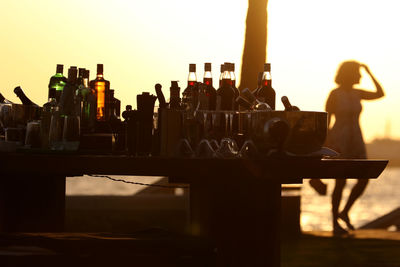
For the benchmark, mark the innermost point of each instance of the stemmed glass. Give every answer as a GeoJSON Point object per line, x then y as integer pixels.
{"type": "Point", "coordinates": [248, 149]}
{"type": "Point", "coordinates": [183, 148]}
{"type": "Point", "coordinates": [205, 147]}
{"type": "Point", "coordinates": [228, 147]}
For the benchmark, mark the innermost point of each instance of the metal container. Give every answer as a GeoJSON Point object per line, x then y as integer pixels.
{"type": "Point", "coordinates": [306, 131]}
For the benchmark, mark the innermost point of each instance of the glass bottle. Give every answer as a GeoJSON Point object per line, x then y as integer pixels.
{"type": "Point", "coordinates": [21, 95]}
{"type": "Point", "coordinates": [226, 93]}
{"type": "Point", "coordinates": [174, 99]}
{"type": "Point", "coordinates": [102, 89]}
{"type": "Point", "coordinates": [266, 93]}
{"type": "Point", "coordinates": [57, 82]}
{"type": "Point", "coordinates": [210, 91]}
{"type": "Point", "coordinates": [189, 96]}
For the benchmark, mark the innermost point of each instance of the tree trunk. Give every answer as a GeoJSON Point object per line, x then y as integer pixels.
{"type": "Point", "coordinates": [255, 44]}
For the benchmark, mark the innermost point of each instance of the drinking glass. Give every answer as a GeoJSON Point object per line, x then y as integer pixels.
{"type": "Point", "coordinates": [71, 132]}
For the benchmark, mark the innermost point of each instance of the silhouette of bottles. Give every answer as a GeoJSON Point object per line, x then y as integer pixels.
{"type": "Point", "coordinates": [190, 94]}
{"type": "Point", "coordinates": [266, 93]}
{"type": "Point", "coordinates": [210, 92]}
{"type": "Point", "coordinates": [21, 95]}
{"type": "Point", "coordinates": [102, 89]}
{"type": "Point", "coordinates": [67, 100]}
{"type": "Point", "coordinates": [57, 83]}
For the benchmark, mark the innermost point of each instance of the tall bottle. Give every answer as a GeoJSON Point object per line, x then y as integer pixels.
{"type": "Point", "coordinates": [174, 96]}
{"type": "Point", "coordinates": [21, 95]}
{"type": "Point", "coordinates": [231, 68]}
{"type": "Point", "coordinates": [221, 75]}
{"type": "Point", "coordinates": [190, 94]}
{"type": "Point", "coordinates": [67, 104]}
{"type": "Point", "coordinates": [79, 80]}
{"type": "Point", "coordinates": [210, 91]}
{"type": "Point", "coordinates": [102, 89]}
{"type": "Point", "coordinates": [226, 93]}
{"type": "Point", "coordinates": [57, 82]}
{"type": "Point", "coordinates": [266, 93]}
{"type": "Point", "coordinates": [86, 102]}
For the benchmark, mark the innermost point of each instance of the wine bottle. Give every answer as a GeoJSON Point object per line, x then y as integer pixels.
{"type": "Point", "coordinates": [57, 83]}
{"type": "Point", "coordinates": [210, 92]}
{"type": "Point", "coordinates": [174, 97]}
{"type": "Point", "coordinates": [102, 89]}
{"type": "Point", "coordinates": [287, 105]}
{"type": "Point", "coordinates": [226, 93]}
{"type": "Point", "coordinates": [189, 96]}
{"type": "Point", "coordinates": [221, 75]}
{"type": "Point", "coordinates": [21, 95]}
{"type": "Point", "coordinates": [67, 101]}
{"type": "Point", "coordinates": [266, 93]}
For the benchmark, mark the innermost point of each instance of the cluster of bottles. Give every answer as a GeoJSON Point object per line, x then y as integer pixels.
{"type": "Point", "coordinates": [203, 95]}
{"type": "Point", "coordinates": [93, 101]}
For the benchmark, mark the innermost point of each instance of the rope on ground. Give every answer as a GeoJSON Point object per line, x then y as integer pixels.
{"type": "Point", "coordinates": [136, 183]}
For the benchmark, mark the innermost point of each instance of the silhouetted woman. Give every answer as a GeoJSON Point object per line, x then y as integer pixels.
{"type": "Point", "coordinates": [345, 136]}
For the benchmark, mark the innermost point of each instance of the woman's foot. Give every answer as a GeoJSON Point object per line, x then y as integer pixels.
{"type": "Point", "coordinates": [319, 186]}
{"type": "Point", "coordinates": [345, 217]}
{"type": "Point", "coordinates": [339, 230]}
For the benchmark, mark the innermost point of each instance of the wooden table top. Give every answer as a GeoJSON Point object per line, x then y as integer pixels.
{"type": "Point", "coordinates": [289, 169]}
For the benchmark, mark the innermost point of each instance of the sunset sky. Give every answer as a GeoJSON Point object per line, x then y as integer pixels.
{"type": "Point", "coordinates": [142, 43]}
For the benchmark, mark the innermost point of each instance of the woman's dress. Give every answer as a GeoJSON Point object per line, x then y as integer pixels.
{"type": "Point", "coordinates": [345, 137]}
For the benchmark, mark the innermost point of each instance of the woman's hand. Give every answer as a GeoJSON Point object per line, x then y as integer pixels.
{"type": "Point", "coordinates": [365, 67]}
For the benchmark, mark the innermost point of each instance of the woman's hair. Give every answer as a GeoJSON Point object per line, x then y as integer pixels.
{"type": "Point", "coordinates": [348, 72]}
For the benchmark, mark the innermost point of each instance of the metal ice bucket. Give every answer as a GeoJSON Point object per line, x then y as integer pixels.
{"type": "Point", "coordinates": [12, 115]}
{"type": "Point", "coordinates": [306, 131]}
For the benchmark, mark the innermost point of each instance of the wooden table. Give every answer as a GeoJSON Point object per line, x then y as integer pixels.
{"type": "Point", "coordinates": [234, 202]}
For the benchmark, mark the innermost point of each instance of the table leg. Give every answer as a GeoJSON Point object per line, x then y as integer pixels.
{"type": "Point", "coordinates": [32, 203]}
{"type": "Point", "coordinates": [242, 217]}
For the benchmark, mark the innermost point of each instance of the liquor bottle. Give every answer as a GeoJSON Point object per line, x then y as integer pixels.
{"type": "Point", "coordinates": [86, 102]}
{"type": "Point", "coordinates": [174, 98]}
{"type": "Point", "coordinates": [21, 95]}
{"type": "Point", "coordinates": [266, 93]}
{"type": "Point", "coordinates": [259, 82]}
{"type": "Point", "coordinates": [210, 92]}
{"type": "Point", "coordinates": [102, 89]}
{"type": "Point", "coordinates": [79, 80]}
{"type": "Point", "coordinates": [115, 106]}
{"type": "Point", "coordinates": [189, 96]}
{"type": "Point", "coordinates": [226, 94]}
{"type": "Point", "coordinates": [231, 68]}
{"type": "Point", "coordinates": [67, 100]}
{"type": "Point", "coordinates": [287, 105]}
{"type": "Point", "coordinates": [57, 82]}
{"type": "Point", "coordinates": [222, 69]}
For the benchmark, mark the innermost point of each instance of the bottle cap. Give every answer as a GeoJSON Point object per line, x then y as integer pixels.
{"type": "Point", "coordinates": [227, 66]}
{"type": "Point", "coordinates": [222, 67]}
{"type": "Point", "coordinates": [267, 67]}
{"type": "Point", "coordinates": [72, 72]}
{"type": "Point", "coordinates": [174, 84]}
{"type": "Point", "coordinates": [192, 67]}
{"type": "Point", "coordinates": [100, 68]}
{"type": "Point", "coordinates": [207, 66]}
{"type": "Point", "coordinates": [60, 68]}
{"type": "Point", "coordinates": [81, 72]}
{"type": "Point", "coordinates": [86, 74]}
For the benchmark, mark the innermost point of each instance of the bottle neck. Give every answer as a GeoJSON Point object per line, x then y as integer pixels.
{"type": "Point", "coordinates": [100, 76]}
{"type": "Point", "coordinates": [86, 82]}
{"type": "Point", "coordinates": [267, 79]}
{"type": "Point", "coordinates": [192, 79]}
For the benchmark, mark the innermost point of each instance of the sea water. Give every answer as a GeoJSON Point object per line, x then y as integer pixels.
{"type": "Point", "coordinates": [381, 196]}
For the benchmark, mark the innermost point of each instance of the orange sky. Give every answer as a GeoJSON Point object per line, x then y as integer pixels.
{"type": "Point", "coordinates": [141, 43]}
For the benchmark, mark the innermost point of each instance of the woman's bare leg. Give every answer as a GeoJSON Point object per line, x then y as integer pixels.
{"type": "Point", "coordinates": [356, 192]}
{"type": "Point", "coordinates": [336, 197]}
